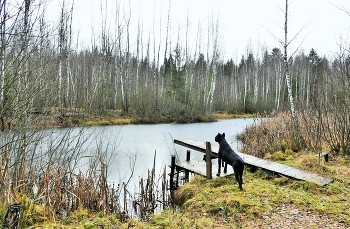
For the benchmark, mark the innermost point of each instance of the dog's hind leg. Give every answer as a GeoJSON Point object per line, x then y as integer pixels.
{"type": "Point", "coordinates": [241, 174]}
{"type": "Point", "coordinates": [238, 180]}
{"type": "Point", "coordinates": [238, 175]}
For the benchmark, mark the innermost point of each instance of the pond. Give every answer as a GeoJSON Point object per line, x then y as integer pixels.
{"type": "Point", "coordinates": [136, 145]}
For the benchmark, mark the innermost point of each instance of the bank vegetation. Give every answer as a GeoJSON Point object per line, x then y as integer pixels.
{"type": "Point", "coordinates": [48, 80]}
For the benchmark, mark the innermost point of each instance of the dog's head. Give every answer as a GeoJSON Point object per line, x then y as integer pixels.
{"type": "Point", "coordinates": [219, 137]}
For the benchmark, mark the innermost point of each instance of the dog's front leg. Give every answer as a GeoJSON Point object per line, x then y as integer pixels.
{"type": "Point", "coordinates": [219, 167]}
{"type": "Point", "coordinates": [225, 169]}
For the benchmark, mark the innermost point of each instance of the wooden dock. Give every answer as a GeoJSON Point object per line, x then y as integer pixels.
{"type": "Point", "coordinates": [284, 170]}
{"type": "Point", "coordinates": [199, 167]}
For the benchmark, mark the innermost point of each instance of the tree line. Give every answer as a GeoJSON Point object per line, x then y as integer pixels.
{"type": "Point", "coordinates": [42, 70]}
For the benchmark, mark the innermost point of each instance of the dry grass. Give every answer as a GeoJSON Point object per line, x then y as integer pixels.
{"type": "Point", "coordinates": [218, 203]}
{"type": "Point", "coordinates": [105, 121]}
{"type": "Point", "coordinates": [277, 134]}
{"type": "Point", "coordinates": [79, 117]}
{"type": "Point", "coordinates": [67, 200]}
{"type": "Point", "coordinates": [226, 115]}
{"type": "Point", "coordinates": [68, 194]}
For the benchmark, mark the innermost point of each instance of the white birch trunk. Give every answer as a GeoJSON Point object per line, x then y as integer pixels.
{"type": "Point", "coordinates": [121, 72]}
{"type": "Point", "coordinates": [127, 75]}
{"type": "Point", "coordinates": [61, 44]}
{"type": "Point", "coordinates": [256, 89]}
{"type": "Point", "coordinates": [308, 87]}
{"type": "Point", "coordinates": [212, 88]}
{"type": "Point", "coordinates": [138, 41]}
{"type": "Point", "coordinates": [245, 87]}
{"type": "Point", "coordinates": [59, 84]}
{"type": "Point", "coordinates": [279, 82]}
{"type": "Point", "coordinates": [121, 64]}
{"type": "Point", "coordinates": [68, 69]}
{"type": "Point", "coordinates": [115, 82]}
{"type": "Point", "coordinates": [276, 88]}
{"type": "Point", "coordinates": [263, 88]}
{"type": "Point", "coordinates": [186, 59]}
{"type": "Point", "coordinates": [116, 68]}
{"type": "Point", "coordinates": [148, 58]}
{"type": "Point", "coordinates": [236, 84]}
{"type": "Point", "coordinates": [296, 89]}
{"type": "Point", "coordinates": [287, 76]}
{"type": "Point", "coordinates": [3, 51]}
{"type": "Point", "coordinates": [267, 84]}
{"type": "Point", "coordinates": [215, 58]}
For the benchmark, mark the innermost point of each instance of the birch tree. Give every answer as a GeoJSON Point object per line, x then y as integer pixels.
{"type": "Point", "coordinates": [3, 19]}
{"type": "Point", "coordinates": [287, 77]}
{"type": "Point", "coordinates": [64, 43]}
{"type": "Point", "coordinates": [212, 73]}
{"type": "Point", "coordinates": [163, 86]}
{"type": "Point", "coordinates": [127, 19]}
{"type": "Point", "coordinates": [277, 70]}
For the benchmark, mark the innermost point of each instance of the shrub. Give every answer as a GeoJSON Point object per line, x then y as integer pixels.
{"type": "Point", "coordinates": [279, 156]}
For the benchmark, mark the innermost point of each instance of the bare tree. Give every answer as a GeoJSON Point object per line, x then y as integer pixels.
{"type": "Point", "coordinates": [212, 73]}
{"type": "Point", "coordinates": [64, 46]}
{"type": "Point", "coordinates": [163, 85]}
{"type": "Point", "coordinates": [3, 18]}
{"type": "Point", "coordinates": [287, 76]}
{"type": "Point", "coordinates": [335, 122]}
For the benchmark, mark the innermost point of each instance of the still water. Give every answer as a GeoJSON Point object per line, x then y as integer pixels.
{"type": "Point", "coordinates": [136, 145]}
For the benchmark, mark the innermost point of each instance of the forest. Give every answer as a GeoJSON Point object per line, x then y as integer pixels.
{"type": "Point", "coordinates": [41, 69]}
{"type": "Point", "coordinates": [45, 74]}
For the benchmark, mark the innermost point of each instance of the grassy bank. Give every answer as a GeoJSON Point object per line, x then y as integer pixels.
{"type": "Point", "coordinates": [221, 204]}
{"type": "Point", "coordinates": [118, 117]}
{"type": "Point", "coordinates": [218, 203]}
{"type": "Point", "coordinates": [269, 200]}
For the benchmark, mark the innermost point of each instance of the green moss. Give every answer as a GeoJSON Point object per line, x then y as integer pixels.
{"type": "Point", "coordinates": [77, 216]}
{"type": "Point", "coordinates": [284, 145]}
{"type": "Point", "coordinates": [89, 225]}
{"type": "Point", "coordinates": [278, 156]}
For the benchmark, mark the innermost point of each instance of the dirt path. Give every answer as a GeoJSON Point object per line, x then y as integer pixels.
{"type": "Point", "coordinates": [288, 216]}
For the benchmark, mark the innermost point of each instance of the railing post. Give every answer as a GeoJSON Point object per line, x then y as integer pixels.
{"type": "Point", "coordinates": [177, 177]}
{"type": "Point", "coordinates": [326, 157]}
{"type": "Point", "coordinates": [188, 158]}
{"type": "Point", "coordinates": [172, 172]}
{"type": "Point", "coordinates": [188, 155]}
{"type": "Point", "coordinates": [208, 160]}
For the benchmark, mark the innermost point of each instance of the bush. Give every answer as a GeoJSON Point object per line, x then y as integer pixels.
{"type": "Point", "coordinates": [279, 156]}
{"type": "Point", "coordinates": [277, 134]}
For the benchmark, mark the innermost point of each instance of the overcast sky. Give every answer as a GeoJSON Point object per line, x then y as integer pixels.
{"type": "Point", "coordinates": [248, 24]}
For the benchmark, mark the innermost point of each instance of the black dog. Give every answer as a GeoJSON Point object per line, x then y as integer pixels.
{"type": "Point", "coordinates": [230, 157]}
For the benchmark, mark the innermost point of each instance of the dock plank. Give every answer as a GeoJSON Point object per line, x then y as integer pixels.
{"type": "Point", "coordinates": [199, 167]}
{"type": "Point", "coordinates": [281, 169]}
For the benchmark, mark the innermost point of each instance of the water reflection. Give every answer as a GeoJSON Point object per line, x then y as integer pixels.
{"type": "Point", "coordinates": [136, 145]}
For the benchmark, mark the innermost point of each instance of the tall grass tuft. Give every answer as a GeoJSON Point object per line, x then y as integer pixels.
{"type": "Point", "coordinates": [277, 134]}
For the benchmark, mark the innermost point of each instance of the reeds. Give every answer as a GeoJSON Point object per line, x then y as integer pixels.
{"type": "Point", "coordinates": [153, 194]}
{"type": "Point", "coordinates": [50, 185]}
{"type": "Point", "coordinates": [277, 134]}
{"type": "Point", "coordinates": [53, 195]}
